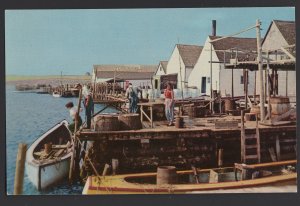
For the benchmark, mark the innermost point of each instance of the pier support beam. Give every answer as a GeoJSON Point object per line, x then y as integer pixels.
{"type": "Point", "coordinates": [278, 148]}
{"type": "Point", "coordinates": [20, 167]}
{"type": "Point", "coordinates": [220, 157]}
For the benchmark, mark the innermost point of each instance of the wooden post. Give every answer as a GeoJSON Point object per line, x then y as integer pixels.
{"type": "Point", "coordinates": [220, 102]}
{"type": "Point", "coordinates": [266, 85]}
{"type": "Point", "coordinates": [105, 169]}
{"type": "Point", "coordinates": [72, 163]}
{"type": "Point", "coordinates": [242, 137]}
{"type": "Point", "coordinates": [286, 83]}
{"type": "Point", "coordinates": [78, 110]}
{"type": "Point", "coordinates": [151, 116]}
{"type": "Point", "coordinates": [142, 110]}
{"type": "Point", "coordinates": [246, 89]}
{"type": "Point", "coordinates": [278, 148]}
{"type": "Point", "coordinates": [257, 139]}
{"type": "Point", "coordinates": [95, 79]}
{"type": "Point", "coordinates": [232, 89]}
{"type": "Point", "coordinates": [20, 167]}
{"type": "Point", "coordinates": [220, 157]}
{"type": "Point", "coordinates": [254, 92]}
{"type": "Point", "coordinates": [260, 68]}
{"type": "Point", "coordinates": [268, 88]}
{"type": "Point", "coordinates": [195, 174]}
{"type": "Point", "coordinates": [211, 89]}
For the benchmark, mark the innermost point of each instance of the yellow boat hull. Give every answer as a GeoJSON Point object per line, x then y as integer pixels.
{"type": "Point", "coordinates": [118, 184]}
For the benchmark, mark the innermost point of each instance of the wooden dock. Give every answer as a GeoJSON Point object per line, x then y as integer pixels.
{"type": "Point", "coordinates": [198, 143]}
{"type": "Point", "coordinates": [194, 128]}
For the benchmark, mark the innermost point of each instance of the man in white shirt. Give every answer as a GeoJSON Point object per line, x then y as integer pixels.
{"type": "Point", "coordinates": [73, 111]}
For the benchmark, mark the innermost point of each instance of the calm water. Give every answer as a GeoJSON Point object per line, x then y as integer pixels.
{"type": "Point", "coordinates": [29, 115]}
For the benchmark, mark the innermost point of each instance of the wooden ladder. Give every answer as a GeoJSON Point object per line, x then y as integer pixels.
{"type": "Point", "coordinates": [245, 146]}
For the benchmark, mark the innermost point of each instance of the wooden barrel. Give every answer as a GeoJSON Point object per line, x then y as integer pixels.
{"type": "Point", "coordinates": [130, 121]}
{"type": "Point", "coordinates": [229, 105]}
{"type": "Point", "coordinates": [106, 122]}
{"type": "Point", "coordinates": [166, 175]}
{"type": "Point", "coordinates": [256, 110]}
{"type": "Point", "coordinates": [279, 105]}
{"type": "Point", "coordinates": [179, 123]}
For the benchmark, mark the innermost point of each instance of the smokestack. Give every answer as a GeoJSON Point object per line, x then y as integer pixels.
{"type": "Point", "coordinates": [214, 29]}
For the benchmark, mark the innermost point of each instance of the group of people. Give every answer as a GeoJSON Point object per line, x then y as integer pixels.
{"type": "Point", "coordinates": [131, 94]}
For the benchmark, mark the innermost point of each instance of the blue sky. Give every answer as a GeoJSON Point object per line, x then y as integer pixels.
{"type": "Point", "coordinates": [42, 42]}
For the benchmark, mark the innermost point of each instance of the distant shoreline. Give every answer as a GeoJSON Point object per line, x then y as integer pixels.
{"type": "Point", "coordinates": [47, 79]}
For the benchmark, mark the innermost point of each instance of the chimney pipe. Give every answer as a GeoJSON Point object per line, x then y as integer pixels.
{"type": "Point", "coordinates": [214, 29]}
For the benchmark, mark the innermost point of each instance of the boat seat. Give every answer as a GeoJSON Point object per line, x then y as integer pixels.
{"type": "Point", "coordinates": [57, 146]}
{"type": "Point", "coordinates": [59, 153]}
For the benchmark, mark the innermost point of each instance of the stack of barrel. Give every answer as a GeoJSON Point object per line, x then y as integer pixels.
{"type": "Point", "coordinates": [116, 122]}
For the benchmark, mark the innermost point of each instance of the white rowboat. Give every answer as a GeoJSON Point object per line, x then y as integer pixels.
{"type": "Point", "coordinates": [48, 168]}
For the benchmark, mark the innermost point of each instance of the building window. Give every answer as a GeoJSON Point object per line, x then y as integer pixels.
{"type": "Point", "coordinates": [160, 69]}
{"type": "Point", "coordinates": [242, 79]}
{"type": "Point", "coordinates": [208, 79]}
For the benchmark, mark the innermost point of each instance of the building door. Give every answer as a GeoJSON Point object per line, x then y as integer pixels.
{"type": "Point", "coordinates": [156, 84]}
{"type": "Point", "coordinates": [203, 85]}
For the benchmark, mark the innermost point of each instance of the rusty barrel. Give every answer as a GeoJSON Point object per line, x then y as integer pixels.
{"type": "Point", "coordinates": [279, 105]}
{"type": "Point", "coordinates": [106, 122]}
{"type": "Point", "coordinates": [166, 175]}
{"type": "Point", "coordinates": [229, 105]}
{"type": "Point", "coordinates": [130, 121]}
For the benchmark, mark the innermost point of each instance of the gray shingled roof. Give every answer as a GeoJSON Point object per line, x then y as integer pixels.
{"type": "Point", "coordinates": [288, 30]}
{"type": "Point", "coordinates": [242, 44]}
{"type": "Point", "coordinates": [126, 72]}
{"type": "Point", "coordinates": [189, 54]}
{"type": "Point", "coordinates": [164, 65]}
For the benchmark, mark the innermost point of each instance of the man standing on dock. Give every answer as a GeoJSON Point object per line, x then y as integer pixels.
{"type": "Point", "coordinates": [73, 111]}
{"type": "Point", "coordinates": [132, 95]}
{"type": "Point", "coordinates": [88, 105]}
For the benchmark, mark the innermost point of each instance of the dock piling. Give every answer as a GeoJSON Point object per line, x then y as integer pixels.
{"type": "Point", "coordinates": [220, 157]}
{"type": "Point", "coordinates": [20, 168]}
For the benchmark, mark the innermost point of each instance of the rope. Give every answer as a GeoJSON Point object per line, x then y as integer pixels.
{"type": "Point", "coordinates": [210, 102]}
{"type": "Point", "coordinates": [87, 156]}
{"type": "Point", "coordinates": [235, 34]}
{"type": "Point", "coordinates": [93, 167]}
